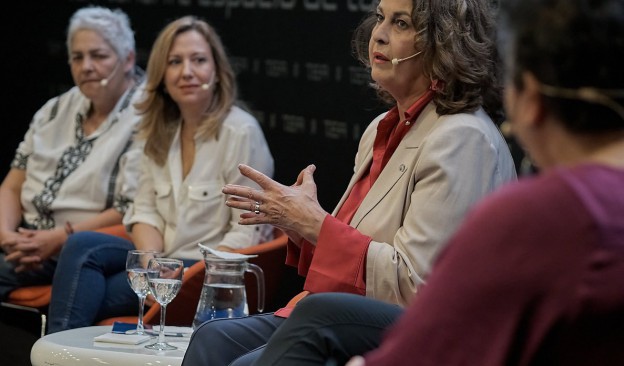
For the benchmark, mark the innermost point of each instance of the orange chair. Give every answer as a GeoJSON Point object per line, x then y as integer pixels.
{"type": "Point", "coordinates": [37, 298]}
{"type": "Point", "coordinates": [271, 257]}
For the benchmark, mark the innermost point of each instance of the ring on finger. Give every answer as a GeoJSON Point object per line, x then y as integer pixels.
{"type": "Point", "coordinates": [257, 208]}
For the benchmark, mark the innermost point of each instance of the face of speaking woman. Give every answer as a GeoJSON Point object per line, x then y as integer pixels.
{"type": "Point", "coordinates": [393, 37]}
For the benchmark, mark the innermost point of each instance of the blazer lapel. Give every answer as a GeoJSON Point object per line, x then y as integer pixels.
{"type": "Point", "coordinates": [398, 164]}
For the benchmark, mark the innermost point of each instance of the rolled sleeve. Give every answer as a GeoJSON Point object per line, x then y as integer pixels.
{"type": "Point", "coordinates": [143, 209]}
{"type": "Point", "coordinates": [338, 268]}
{"type": "Point", "coordinates": [245, 145]}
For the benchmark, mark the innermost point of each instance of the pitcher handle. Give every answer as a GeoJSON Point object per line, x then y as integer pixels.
{"type": "Point", "coordinates": [257, 271]}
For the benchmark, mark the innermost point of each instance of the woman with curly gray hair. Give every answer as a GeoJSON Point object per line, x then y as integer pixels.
{"type": "Point", "coordinates": [194, 135]}
{"type": "Point", "coordinates": [419, 168]}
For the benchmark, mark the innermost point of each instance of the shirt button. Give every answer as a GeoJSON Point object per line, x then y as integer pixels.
{"type": "Point", "coordinates": [205, 193]}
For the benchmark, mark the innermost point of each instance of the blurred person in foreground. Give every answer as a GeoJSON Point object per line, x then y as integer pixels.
{"type": "Point", "coordinates": [535, 274]}
{"type": "Point", "coordinates": [418, 169]}
{"type": "Point", "coordinates": [195, 136]}
{"type": "Point", "coordinates": [78, 165]}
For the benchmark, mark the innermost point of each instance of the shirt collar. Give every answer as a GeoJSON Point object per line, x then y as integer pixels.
{"type": "Point", "coordinates": [413, 111]}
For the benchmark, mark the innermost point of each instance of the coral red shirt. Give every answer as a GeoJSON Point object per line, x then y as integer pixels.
{"type": "Point", "coordinates": [337, 262]}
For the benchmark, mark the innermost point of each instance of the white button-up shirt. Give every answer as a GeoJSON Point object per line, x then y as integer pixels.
{"type": "Point", "coordinates": [192, 210]}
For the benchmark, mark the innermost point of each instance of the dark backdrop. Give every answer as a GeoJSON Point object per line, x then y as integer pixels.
{"type": "Point", "coordinates": [294, 68]}
{"type": "Point", "coordinates": [293, 62]}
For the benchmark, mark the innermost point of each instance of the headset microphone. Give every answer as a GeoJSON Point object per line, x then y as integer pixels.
{"type": "Point", "coordinates": [206, 86]}
{"type": "Point", "coordinates": [105, 81]}
{"type": "Point", "coordinates": [395, 61]}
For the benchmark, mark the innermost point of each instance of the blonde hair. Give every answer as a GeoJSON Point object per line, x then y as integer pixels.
{"type": "Point", "coordinates": [161, 115]}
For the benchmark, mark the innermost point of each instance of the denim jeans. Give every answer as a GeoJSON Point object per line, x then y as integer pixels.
{"type": "Point", "coordinates": [90, 282]}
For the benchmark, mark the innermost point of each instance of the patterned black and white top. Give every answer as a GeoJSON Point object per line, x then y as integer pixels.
{"type": "Point", "coordinates": [69, 176]}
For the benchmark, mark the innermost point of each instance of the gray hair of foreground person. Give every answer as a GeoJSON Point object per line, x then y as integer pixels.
{"type": "Point", "coordinates": [112, 25]}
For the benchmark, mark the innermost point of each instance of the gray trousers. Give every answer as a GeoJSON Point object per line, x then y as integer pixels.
{"type": "Point", "coordinates": [235, 341]}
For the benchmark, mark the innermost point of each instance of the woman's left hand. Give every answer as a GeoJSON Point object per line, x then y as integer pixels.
{"type": "Point", "coordinates": [292, 208]}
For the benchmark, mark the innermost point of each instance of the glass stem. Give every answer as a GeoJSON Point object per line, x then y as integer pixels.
{"type": "Point", "coordinates": [161, 334]}
{"type": "Point", "coordinates": [140, 329]}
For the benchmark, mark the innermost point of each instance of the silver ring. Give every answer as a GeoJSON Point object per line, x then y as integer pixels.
{"type": "Point", "coordinates": [257, 208]}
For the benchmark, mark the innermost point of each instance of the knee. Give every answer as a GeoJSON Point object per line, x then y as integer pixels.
{"type": "Point", "coordinates": [211, 329]}
{"type": "Point", "coordinates": [78, 243]}
{"type": "Point", "coordinates": [323, 307]}
{"type": "Point", "coordinates": [313, 303]}
{"type": "Point", "coordinates": [74, 243]}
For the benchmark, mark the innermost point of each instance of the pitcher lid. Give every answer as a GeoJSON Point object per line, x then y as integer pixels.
{"type": "Point", "coordinates": [225, 255]}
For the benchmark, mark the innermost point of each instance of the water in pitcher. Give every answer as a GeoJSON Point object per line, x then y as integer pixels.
{"type": "Point", "coordinates": [221, 300]}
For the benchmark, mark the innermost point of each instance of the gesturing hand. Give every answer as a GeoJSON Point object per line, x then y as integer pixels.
{"type": "Point", "coordinates": [294, 209]}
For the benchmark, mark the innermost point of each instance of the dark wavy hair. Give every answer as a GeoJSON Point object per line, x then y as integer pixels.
{"type": "Point", "coordinates": [568, 44]}
{"type": "Point", "coordinates": [458, 43]}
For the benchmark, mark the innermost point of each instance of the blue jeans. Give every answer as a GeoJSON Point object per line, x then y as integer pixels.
{"type": "Point", "coordinates": [90, 282]}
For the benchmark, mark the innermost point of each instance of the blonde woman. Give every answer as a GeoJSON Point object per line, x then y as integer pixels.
{"type": "Point", "coordinates": [195, 137]}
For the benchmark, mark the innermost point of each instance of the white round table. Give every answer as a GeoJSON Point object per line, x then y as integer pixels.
{"type": "Point", "coordinates": [76, 347]}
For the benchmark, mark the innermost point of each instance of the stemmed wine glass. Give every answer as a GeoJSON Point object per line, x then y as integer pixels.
{"type": "Point", "coordinates": [164, 276]}
{"type": "Point", "coordinates": [136, 268]}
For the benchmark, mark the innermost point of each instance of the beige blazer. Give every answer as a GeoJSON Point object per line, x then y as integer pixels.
{"type": "Point", "coordinates": [439, 170]}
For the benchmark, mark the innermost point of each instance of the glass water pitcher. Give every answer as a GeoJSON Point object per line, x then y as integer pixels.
{"type": "Point", "coordinates": [223, 293]}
